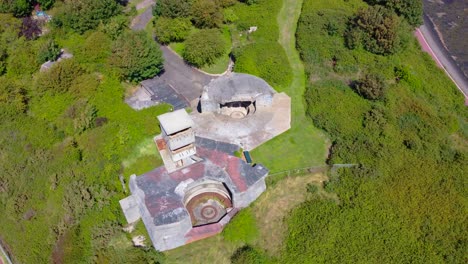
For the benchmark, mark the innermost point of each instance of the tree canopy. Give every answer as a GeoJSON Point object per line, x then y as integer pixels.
{"type": "Point", "coordinates": [172, 9]}
{"type": "Point", "coordinates": [204, 47]}
{"type": "Point", "coordinates": [136, 56]}
{"type": "Point", "coordinates": [172, 29]}
{"type": "Point", "coordinates": [207, 14]}
{"type": "Point", "coordinates": [377, 29]}
{"type": "Point", "coordinates": [83, 15]}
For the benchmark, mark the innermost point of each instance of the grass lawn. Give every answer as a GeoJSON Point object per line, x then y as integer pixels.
{"type": "Point", "coordinates": [143, 158]}
{"type": "Point", "coordinates": [177, 47]}
{"type": "Point", "coordinates": [303, 145]}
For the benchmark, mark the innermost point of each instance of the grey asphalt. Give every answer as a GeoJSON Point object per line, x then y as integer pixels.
{"type": "Point", "coordinates": [443, 56]}
{"type": "Point", "coordinates": [140, 22]}
{"type": "Point", "coordinates": [186, 80]}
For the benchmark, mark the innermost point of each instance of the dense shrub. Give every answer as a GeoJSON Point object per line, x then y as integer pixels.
{"type": "Point", "coordinates": [412, 10]}
{"type": "Point", "coordinates": [172, 9]}
{"type": "Point", "coordinates": [248, 254]}
{"type": "Point", "coordinates": [136, 56]}
{"type": "Point", "coordinates": [376, 29]}
{"type": "Point", "coordinates": [84, 15]}
{"type": "Point", "coordinates": [371, 86]}
{"type": "Point", "coordinates": [49, 50]}
{"type": "Point", "coordinates": [206, 14]}
{"type": "Point", "coordinates": [170, 30]}
{"type": "Point", "coordinates": [59, 78]}
{"type": "Point", "coordinates": [204, 47]}
{"type": "Point", "coordinates": [407, 165]}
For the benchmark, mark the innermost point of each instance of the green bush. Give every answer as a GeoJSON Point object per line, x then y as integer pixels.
{"type": "Point", "coordinates": [172, 9]}
{"type": "Point", "coordinates": [84, 15]}
{"type": "Point", "coordinates": [376, 29]}
{"type": "Point", "coordinates": [49, 51]}
{"type": "Point", "coordinates": [204, 47]}
{"type": "Point", "coordinates": [136, 56]}
{"type": "Point", "coordinates": [372, 86]}
{"type": "Point", "coordinates": [172, 30]}
{"type": "Point", "coordinates": [59, 78]}
{"type": "Point", "coordinates": [206, 14]}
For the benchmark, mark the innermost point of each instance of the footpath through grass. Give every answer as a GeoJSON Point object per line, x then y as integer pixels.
{"type": "Point", "coordinates": [303, 145]}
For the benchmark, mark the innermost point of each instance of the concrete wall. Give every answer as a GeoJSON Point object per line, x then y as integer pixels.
{"type": "Point", "coordinates": [163, 237]}
{"type": "Point", "coordinates": [244, 199]}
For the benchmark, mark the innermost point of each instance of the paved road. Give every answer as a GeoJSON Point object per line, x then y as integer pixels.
{"type": "Point", "coordinates": [184, 79]}
{"type": "Point", "coordinates": [431, 43]}
{"type": "Point", "coordinates": [140, 22]}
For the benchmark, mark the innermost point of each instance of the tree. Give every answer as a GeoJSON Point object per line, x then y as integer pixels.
{"type": "Point", "coordinates": [376, 28]}
{"type": "Point", "coordinates": [84, 15]}
{"type": "Point", "coordinates": [22, 8]}
{"type": "Point", "coordinates": [172, 8]}
{"type": "Point", "coordinates": [30, 28]}
{"type": "Point", "coordinates": [412, 10]}
{"type": "Point", "coordinates": [46, 4]}
{"type": "Point", "coordinates": [115, 27]}
{"type": "Point", "coordinates": [204, 47]}
{"type": "Point", "coordinates": [136, 56]}
{"type": "Point", "coordinates": [49, 51]}
{"type": "Point", "coordinates": [59, 78]}
{"type": "Point", "coordinates": [371, 86]}
{"type": "Point", "coordinates": [206, 14]}
{"type": "Point", "coordinates": [169, 30]}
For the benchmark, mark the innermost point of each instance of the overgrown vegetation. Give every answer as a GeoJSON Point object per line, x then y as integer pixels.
{"type": "Point", "coordinates": [404, 201]}
{"type": "Point", "coordinates": [64, 134]}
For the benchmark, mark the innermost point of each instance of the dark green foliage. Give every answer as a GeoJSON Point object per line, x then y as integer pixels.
{"type": "Point", "coordinates": [136, 56]}
{"type": "Point", "coordinates": [59, 78]}
{"type": "Point", "coordinates": [371, 86]}
{"type": "Point", "coordinates": [84, 15]}
{"type": "Point", "coordinates": [402, 202]}
{"type": "Point", "coordinates": [172, 9]}
{"type": "Point", "coordinates": [248, 255]}
{"type": "Point", "coordinates": [46, 4]}
{"type": "Point", "coordinates": [49, 51]}
{"type": "Point", "coordinates": [412, 10]}
{"type": "Point", "coordinates": [22, 58]}
{"type": "Point", "coordinates": [376, 29]}
{"type": "Point", "coordinates": [22, 8]}
{"type": "Point", "coordinates": [206, 14]}
{"type": "Point", "coordinates": [204, 47]}
{"type": "Point", "coordinates": [3, 57]}
{"type": "Point", "coordinates": [115, 27]}
{"type": "Point", "coordinates": [249, 2]}
{"type": "Point", "coordinates": [96, 48]}
{"type": "Point", "coordinates": [172, 30]}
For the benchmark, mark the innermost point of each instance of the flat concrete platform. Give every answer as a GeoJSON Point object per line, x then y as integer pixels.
{"type": "Point", "coordinates": [248, 132]}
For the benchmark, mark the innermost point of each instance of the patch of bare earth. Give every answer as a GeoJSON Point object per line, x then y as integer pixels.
{"type": "Point", "coordinates": [275, 204]}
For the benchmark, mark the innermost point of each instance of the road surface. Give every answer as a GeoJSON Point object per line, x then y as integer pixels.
{"type": "Point", "coordinates": [430, 43]}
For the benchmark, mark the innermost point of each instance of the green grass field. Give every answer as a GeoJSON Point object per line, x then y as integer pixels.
{"type": "Point", "coordinates": [303, 145]}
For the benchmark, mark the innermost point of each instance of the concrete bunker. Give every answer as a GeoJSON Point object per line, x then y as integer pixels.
{"type": "Point", "coordinates": [236, 95]}
{"type": "Point", "coordinates": [207, 202]}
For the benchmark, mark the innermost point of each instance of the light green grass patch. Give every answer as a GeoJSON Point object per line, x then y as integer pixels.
{"type": "Point", "coordinates": [177, 47]}
{"type": "Point", "coordinates": [143, 158]}
{"type": "Point", "coordinates": [303, 145]}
